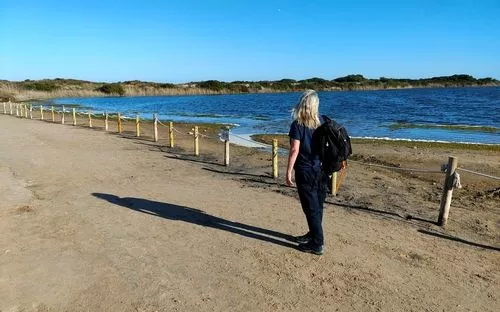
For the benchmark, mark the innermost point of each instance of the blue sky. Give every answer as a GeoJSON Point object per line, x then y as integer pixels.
{"type": "Point", "coordinates": [181, 41]}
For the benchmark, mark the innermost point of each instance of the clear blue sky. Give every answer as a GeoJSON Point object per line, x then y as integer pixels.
{"type": "Point", "coordinates": [187, 40]}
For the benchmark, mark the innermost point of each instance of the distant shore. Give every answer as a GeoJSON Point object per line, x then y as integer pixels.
{"type": "Point", "coordinates": [56, 88]}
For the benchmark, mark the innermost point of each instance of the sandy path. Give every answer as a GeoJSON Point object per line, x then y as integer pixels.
{"type": "Point", "coordinates": [94, 222]}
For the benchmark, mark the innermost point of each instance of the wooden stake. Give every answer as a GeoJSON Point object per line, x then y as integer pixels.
{"type": "Point", "coordinates": [119, 122]}
{"type": "Point", "coordinates": [90, 119]}
{"type": "Point", "coordinates": [74, 116]}
{"type": "Point", "coordinates": [137, 126]}
{"type": "Point", "coordinates": [196, 144]}
{"type": "Point", "coordinates": [226, 153]}
{"type": "Point", "coordinates": [155, 127]}
{"type": "Point", "coordinates": [21, 111]}
{"type": "Point", "coordinates": [4, 109]}
{"type": "Point", "coordinates": [25, 111]}
{"type": "Point", "coordinates": [10, 104]}
{"type": "Point", "coordinates": [334, 184]}
{"type": "Point", "coordinates": [53, 115]}
{"type": "Point", "coordinates": [444, 208]}
{"type": "Point", "coordinates": [275, 158]}
{"type": "Point", "coordinates": [31, 111]}
{"type": "Point", "coordinates": [171, 133]}
{"type": "Point", "coordinates": [106, 126]}
{"type": "Point", "coordinates": [62, 117]}
{"type": "Point", "coordinates": [41, 112]}
{"type": "Point", "coordinates": [17, 110]}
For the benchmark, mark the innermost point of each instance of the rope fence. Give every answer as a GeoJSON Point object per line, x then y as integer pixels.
{"type": "Point", "coordinates": [452, 179]}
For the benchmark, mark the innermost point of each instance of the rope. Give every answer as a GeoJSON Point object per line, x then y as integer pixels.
{"type": "Point", "coordinates": [161, 123]}
{"type": "Point", "coordinates": [397, 168]}
{"type": "Point", "coordinates": [479, 173]}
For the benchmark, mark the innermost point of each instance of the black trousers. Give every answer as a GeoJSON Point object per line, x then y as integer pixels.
{"type": "Point", "coordinates": [311, 186]}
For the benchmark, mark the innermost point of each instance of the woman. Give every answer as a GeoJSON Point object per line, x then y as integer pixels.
{"type": "Point", "coordinates": [310, 184]}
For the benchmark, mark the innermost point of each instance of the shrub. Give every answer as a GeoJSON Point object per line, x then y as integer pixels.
{"type": "Point", "coordinates": [214, 85]}
{"type": "Point", "coordinates": [112, 88]}
{"type": "Point", "coordinates": [46, 86]}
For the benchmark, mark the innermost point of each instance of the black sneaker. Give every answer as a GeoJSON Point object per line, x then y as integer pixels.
{"type": "Point", "coordinates": [303, 239]}
{"type": "Point", "coordinates": [307, 247]}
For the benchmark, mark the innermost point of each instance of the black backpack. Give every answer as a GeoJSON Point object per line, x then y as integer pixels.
{"type": "Point", "coordinates": [332, 143]}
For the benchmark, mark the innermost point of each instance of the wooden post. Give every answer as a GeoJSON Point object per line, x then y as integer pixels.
{"type": "Point", "coordinates": [25, 111]}
{"type": "Point", "coordinates": [106, 121]}
{"type": "Point", "coordinates": [119, 123]}
{"type": "Point", "coordinates": [10, 104]}
{"type": "Point", "coordinates": [90, 119]}
{"type": "Point", "coordinates": [334, 184]}
{"type": "Point", "coordinates": [41, 112]}
{"type": "Point", "coordinates": [196, 143]}
{"type": "Point", "coordinates": [4, 109]}
{"type": "Point", "coordinates": [62, 117]}
{"type": "Point", "coordinates": [31, 111]}
{"type": "Point", "coordinates": [17, 110]}
{"type": "Point", "coordinates": [155, 127]}
{"type": "Point", "coordinates": [275, 158]}
{"type": "Point", "coordinates": [444, 208]}
{"type": "Point", "coordinates": [21, 114]}
{"type": "Point", "coordinates": [74, 116]}
{"type": "Point", "coordinates": [226, 153]}
{"type": "Point", "coordinates": [137, 126]}
{"type": "Point", "coordinates": [53, 115]}
{"type": "Point", "coordinates": [171, 133]}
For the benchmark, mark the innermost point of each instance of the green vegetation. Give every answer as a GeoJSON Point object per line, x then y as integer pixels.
{"type": "Point", "coordinates": [61, 87]}
{"type": "Point", "coordinates": [283, 142]}
{"type": "Point", "coordinates": [404, 125]}
{"type": "Point", "coordinates": [41, 85]}
{"type": "Point", "coordinates": [112, 89]}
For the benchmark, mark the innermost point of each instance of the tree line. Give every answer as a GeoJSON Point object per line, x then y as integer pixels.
{"type": "Point", "coordinates": [349, 82]}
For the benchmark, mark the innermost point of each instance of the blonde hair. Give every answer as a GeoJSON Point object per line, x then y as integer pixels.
{"type": "Point", "coordinates": [306, 110]}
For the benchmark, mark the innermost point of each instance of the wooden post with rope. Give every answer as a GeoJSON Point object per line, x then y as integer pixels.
{"type": "Point", "coordinates": [90, 119]}
{"type": "Point", "coordinates": [171, 134]}
{"type": "Point", "coordinates": [275, 158]}
{"type": "Point", "coordinates": [74, 116]}
{"type": "Point", "coordinates": [337, 179]}
{"type": "Point", "coordinates": [106, 125]}
{"type": "Point", "coordinates": [62, 117]}
{"type": "Point", "coordinates": [119, 123]}
{"type": "Point", "coordinates": [225, 137]}
{"type": "Point", "coordinates": [444, 208]}
{"type": "Point", "coordinates": [137, 126]}
{"type": "Point", "coordinates": [334, 184]}
{"type": "Point", "coordinates": [196, 142]}
{"type": "Point", "coordinates": [155, 127]}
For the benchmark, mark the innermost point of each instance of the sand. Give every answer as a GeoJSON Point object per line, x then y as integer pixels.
{"type": "Point", "coordinates": [95, 221]}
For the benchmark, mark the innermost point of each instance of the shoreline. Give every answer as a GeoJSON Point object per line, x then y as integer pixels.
{"type": "Point", "coordinates": [256, 139]}
{"type": "Point", "coordinates": [29, 95]}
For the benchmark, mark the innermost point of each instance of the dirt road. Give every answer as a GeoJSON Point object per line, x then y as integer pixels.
{"type": "Point", "coordinates": [95, 222]}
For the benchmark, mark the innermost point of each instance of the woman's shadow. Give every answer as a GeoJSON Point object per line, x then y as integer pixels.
{"type": "Point", "coordinates": [198, 217]}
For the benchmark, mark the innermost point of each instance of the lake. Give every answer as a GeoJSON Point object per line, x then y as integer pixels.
{"type": "Point", "coordinates": [469, 115]}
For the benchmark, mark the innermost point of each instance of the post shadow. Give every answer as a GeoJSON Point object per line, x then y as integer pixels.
{"type": "Point", "coordinates": [198, 217]}
{"type": "Point", "coordinates": [387, 214]}
{"type": "Point", "coordinates": [460, 240]}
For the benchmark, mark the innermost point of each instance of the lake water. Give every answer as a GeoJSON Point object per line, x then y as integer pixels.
{"type": "Point", "coordinates": [448, 114]}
